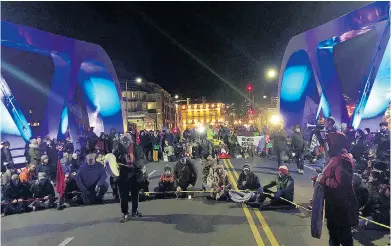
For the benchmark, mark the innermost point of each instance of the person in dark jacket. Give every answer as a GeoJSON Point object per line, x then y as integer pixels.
{"type": "Point", "coordinates": [111, 140]}
{"type": "Point", "coordinates": [6, 156]}
{"type": "Point", "coordinates": [297, 145]}
{"type": "Point", "coordinates": [41, 146]}
{"type": "Point", "coordinates": [102, 143]}
{"type": "Point", "coordinates": [341, 207]}
{"type": "Point", "coordinates": [279, 144]}
{"type": "Point", "coordinates": [378, 206]}
{"type": "Point", "coordinates": [15, 195]}
{"type": "Point", "coordinates": [169, 137]}
{"type": "Point", "coordinates": [248, 180]}
{"type": "Point", "coordinates": [44, 167]}
{"type": "Point", "coordinates": [361, 190]}
{"type": "Point", "coordinates": [43, 191]}
{"type": "Point", "coordinates": [72, 195]}
{"type": "Point", "coordinates": [358, 147]}
{"type": "Point", "coordinates": [382, 140]}
{"type": "Point", "coordinates": [185, 175]}
{"type": "Point", "coordinates": [155, 141]}
{"type": "Point", "coordinates": [130, 176]}
{"type": "Point", "coordinates": [145, 143]}
{"type": "Point", "coordinates": [285, 189]}
{"type": "Point", "coordinates": [92, 139]}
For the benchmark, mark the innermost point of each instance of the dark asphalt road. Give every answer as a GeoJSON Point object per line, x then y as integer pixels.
{"type": "Point", "coordinates": [178, 222]}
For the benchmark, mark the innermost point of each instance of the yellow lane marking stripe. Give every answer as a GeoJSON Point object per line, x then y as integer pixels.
{"type": "Point", "coordinates": [247, 213]}
{"type": "Point", "coordinates": [265, 226]}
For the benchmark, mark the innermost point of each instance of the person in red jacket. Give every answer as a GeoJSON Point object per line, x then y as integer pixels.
{"type": "Point", "coordinates": [341, 207]}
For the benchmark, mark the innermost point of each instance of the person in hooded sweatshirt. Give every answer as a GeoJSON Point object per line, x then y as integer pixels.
{"type": "Point", "coordinates": [185, 175]}
{"type": "Point", "coordinates": [91, 180]}
{"type": "Point", "coordinates": [248, 180]}
{"type": "Point", "coordinates": [15, 195]}
{"type": "Point", "coordinates": [43, 191]}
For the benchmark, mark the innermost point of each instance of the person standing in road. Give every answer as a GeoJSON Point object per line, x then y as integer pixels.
{"type": "Point", "coordinates": [341, 206]}
{"type": "Point", "coordinates": [279, 143]}
{"type": "Point", "coordinates": [130, 176]}
{"type": "Point", "coordinates": [298, 144]}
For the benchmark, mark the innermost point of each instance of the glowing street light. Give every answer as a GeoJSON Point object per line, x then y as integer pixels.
{"type": "Point", "coordinates": [139, 80]}
{"type": "Point", "coordinates": [271, 73]}
{"type": "Point", "coordinates": [264, 96]}
{"type": "Point", "coordinates": [176, 96]}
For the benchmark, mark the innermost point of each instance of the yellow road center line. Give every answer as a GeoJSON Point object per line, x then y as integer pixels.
{"type": "Point", "coordinates": [265, 226]}
{"type": "Point", "coordinates": [253, 227]}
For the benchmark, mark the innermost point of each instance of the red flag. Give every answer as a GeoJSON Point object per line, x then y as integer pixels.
{"type": "Point", "coordinates": [60, 179]}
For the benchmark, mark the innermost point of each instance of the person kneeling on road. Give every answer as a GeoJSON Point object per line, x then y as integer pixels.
{"type": "Point", "coordinates": [220, 184]}
{"type": "Point", "coordinates": [91, 180]}
{"type": "Point", "coordinates": [185, 175]}
{"type": "Point", "coordinates": [285, 189]}
{"type": "Point", "coordinates": [43, 191]}
{"type": "Point", "coordinates": [15, 195]}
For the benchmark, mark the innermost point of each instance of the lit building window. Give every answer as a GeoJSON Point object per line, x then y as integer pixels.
{"type": "Point", "coordinates": [213, 105]}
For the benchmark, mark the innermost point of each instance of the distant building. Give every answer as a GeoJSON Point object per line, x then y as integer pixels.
{"type": "Point", "coordinates": [147, 105]}
{"type": "Point", "coordinates": [274, 101]}
{"type": "Point", "coordinates": [193, 114]}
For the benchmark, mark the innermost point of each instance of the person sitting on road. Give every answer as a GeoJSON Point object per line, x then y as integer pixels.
{"type": "Point", "coordinates": [43, 192]}
{"type": "Point", "coordinates": [166, 183]}
{"type": "Point", "coordinates": [28, 173]}
{"type": "Point", "coordinates": [248, 180]}
{"type": "Point", "coordinates": [207, 170]}
{"type": "Point", "coordinates": [185, 175]}
{"type": "Point", "coordinates": [91, 180]}
{"type": "Point", "coordinates": [285, 189]}
{"type": "Point", "coordinates": [72, 195]}
{"type": "Point", "coordinates": [220, 184]}
{"type": "Point", "coordinates": [15, 195]}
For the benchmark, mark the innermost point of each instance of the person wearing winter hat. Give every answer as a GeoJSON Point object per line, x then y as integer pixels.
{"type": "Point", "coordinates": [166, 183]}
{"type": "Point", "coordinates": [285, 189]}
{"type": "Point", "coordinates": [43, 191]}
{"type": "Point", "coordinates": [248, 180]}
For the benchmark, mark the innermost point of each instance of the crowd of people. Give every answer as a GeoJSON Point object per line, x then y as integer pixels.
{"type": "Point", "coordinates": [364, 155]}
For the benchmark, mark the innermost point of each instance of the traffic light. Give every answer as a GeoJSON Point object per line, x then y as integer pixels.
{"type": "Point", "coordinates": [249, 87]}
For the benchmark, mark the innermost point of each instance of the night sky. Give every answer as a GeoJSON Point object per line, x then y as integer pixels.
{"type": "Point", "coordinates": [237, 40]}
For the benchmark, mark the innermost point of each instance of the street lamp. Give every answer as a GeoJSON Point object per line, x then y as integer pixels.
{"type": "Point", "coordinates": [264, 96]}
{"type": "Point", "coordinates": [176, 96]}
{"type": "Point", "coordinates": [271, 73]}
{"type": "Point", "coordinates": [139, 80]}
